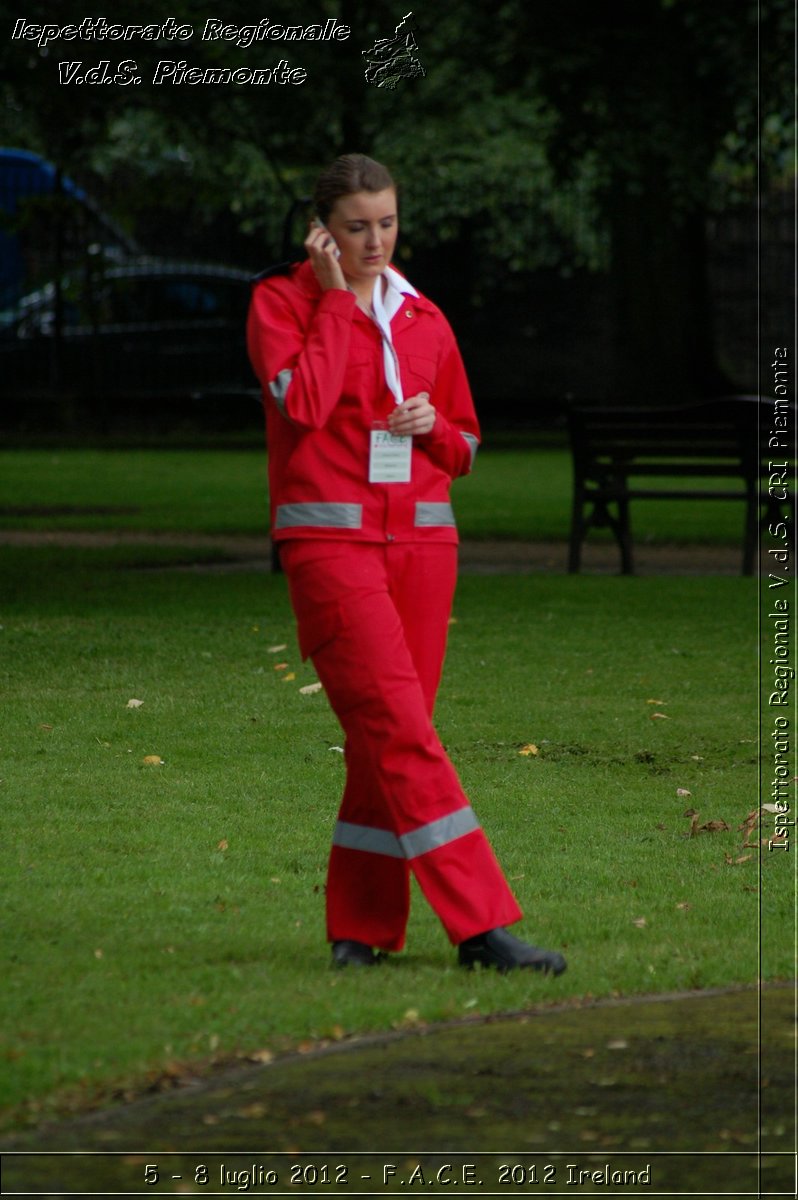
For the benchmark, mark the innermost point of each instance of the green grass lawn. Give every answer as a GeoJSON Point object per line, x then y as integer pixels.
{"type": "Point", "coordinates": [171, 913]}
{"type": "Point", "coordinates": [522, 494]}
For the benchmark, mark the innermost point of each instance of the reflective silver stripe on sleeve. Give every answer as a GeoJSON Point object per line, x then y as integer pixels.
{"type": "Point", "coordinates": [472, 444]}
{"type": "Point", "coordinates": [428, 513]}
{"type": "Point", "coordinates": [279, 387]}
{"type": "Point", "coordinates": [363, 837]}
{"type": "Point", "coordinates": [439, 833]}
{"type": "Point", "coordinates": [319, 515]}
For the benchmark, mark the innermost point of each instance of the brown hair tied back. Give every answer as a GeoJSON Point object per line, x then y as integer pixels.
{"type": "Point", "coordinates": [349, 173]}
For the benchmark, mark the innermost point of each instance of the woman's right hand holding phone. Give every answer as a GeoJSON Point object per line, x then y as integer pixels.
{"type": "Point", "coordinates": [323, 254]}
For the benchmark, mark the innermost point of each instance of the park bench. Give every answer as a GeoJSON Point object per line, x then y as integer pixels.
{"type": "Point", "coordinates": [713, 450]}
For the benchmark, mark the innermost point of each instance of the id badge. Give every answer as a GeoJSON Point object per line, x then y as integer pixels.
{"type": "Point", "coordinates": [389, 456]}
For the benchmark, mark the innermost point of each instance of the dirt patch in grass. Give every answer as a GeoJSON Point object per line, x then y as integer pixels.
{"type": "Point", "coordinates": [247, 553]}
{"type": "Point", "coordinates": [695, 1090]}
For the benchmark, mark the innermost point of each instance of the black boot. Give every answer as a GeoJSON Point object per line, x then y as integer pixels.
{"type": "Point", "coordinates": [353, 954]}
{"type": "Point", "coordinates": [498, 948]}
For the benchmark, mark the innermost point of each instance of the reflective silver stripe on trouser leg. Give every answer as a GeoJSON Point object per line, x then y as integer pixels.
{"type": "Point", "coordinates": [408, 845]}
{"type": "Point", "coordinates": [279, 387]}
{"type": "Point", "coordinates": [472, 444]}
{"type": "Point", "coordinates": [364, 837]}
{"type": "Point", "coordinates": [320, 515]}
{"type": "Point", "coordinates": [434, 513]}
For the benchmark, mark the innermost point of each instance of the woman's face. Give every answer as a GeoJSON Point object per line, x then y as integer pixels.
{"type": "Point", "coordinates": [365, 226]}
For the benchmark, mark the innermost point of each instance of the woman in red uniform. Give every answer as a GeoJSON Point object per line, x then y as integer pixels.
{"type": "Point", "coordinates": [369, 418]}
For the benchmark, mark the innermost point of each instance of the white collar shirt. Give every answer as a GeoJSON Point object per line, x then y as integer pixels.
{"type": "Point", "coordinates": [385, 303]}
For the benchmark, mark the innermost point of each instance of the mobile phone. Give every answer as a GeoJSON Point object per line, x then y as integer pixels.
{"type": "Point", "coordinates": [321, 225]}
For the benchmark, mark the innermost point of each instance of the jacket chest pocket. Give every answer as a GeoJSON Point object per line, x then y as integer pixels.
{"type": "Point", "coordinates": [361, 378]}
{"type": "Point", "coordinates": [418, 374]}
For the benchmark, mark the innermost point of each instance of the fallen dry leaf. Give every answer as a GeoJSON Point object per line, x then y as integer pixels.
{"type": "Point", "coordinates": [684, 905]}
{"type": "Point", "coordinates": [411, 1019]}
{"type": "Point", "coordinates": [713, 827]}
{"type": "Point", "coordinates": [640, 922]}
{"type": "Point", "coordinates": [683, 792]}
{"type": "Point", "coordinates": [656, 701]}
{"type": "Point", "coordinates": [252, 1112]}
{"type": "Point", "coordinates": [310, 689]}
{"type": "Point", "coordinates": [153, 760]}
{"type": "Point", "coordinates": [280, 667]}
{"type": "Point", "coordinates": [529, 749]}
{"type": "Point", "coordinates": [277, 649]}
{"type": "Point", "coordinates": [222, 844]}
{"type": "Point", "coordinates": [134, 703]}
{"type": "Point", "coordinates": [748, 827]}
{"type": "Point", "coordinates": [261, 1056]}
{"type": "Point", "coordinates": [707, 827]}
{"type": "Point", "coordinates": [660, 717]}
{"type": "Point", "coordinates": [289, 677]}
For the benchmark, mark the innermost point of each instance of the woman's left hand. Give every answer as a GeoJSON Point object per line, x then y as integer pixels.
{"type": "Point", "coordinates": [414, 417]}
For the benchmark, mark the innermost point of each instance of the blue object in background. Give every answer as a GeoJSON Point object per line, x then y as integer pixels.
{"type": "Point", "coordinates": [24, 175]}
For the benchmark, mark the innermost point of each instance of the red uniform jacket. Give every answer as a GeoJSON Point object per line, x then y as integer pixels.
{"type": "Point", "coordinates": [319, 359]}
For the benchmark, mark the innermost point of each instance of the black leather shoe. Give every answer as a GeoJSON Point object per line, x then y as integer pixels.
{"type": "Point", "coordinates": [498, 948]}
{"type": "Point", "coordinates": [353, 954]}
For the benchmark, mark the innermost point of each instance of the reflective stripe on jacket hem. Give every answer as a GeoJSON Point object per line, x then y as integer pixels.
{"type": "Point", "coordinates": [433, 513]}
{"type": "Point", "coordinates": [408, 845]}
{"type": "Point", "coordinates": [320, 515]}
{"type": "Point", "coordinates": [335, 515]}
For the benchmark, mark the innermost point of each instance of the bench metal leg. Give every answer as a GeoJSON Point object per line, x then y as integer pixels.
{"type": "Point", "coordinates": [623, 533]}
{"type": "Point", "coordinates": [575, 547]}
{"type": "Point", "coordinates": [578, 531]}
{"type": "Point", "coordinates": [751, 536]}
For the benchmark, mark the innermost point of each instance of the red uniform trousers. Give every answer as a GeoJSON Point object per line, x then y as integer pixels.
{"type": "Point", "coordinates": [373, 618]}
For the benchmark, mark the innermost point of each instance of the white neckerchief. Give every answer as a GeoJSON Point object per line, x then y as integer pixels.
{"type": "Point", "coordinates": [385, 307]}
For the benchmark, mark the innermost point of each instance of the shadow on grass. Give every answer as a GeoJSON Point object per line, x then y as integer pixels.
{"type": "Point", "coordinates": [676, 1095]}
